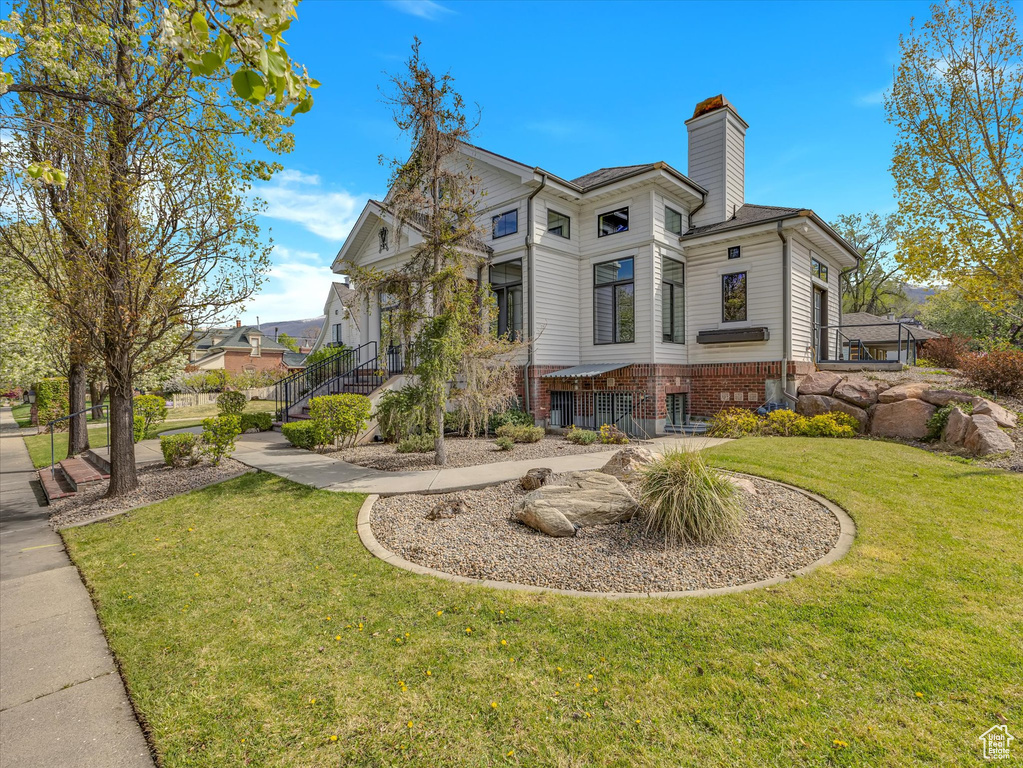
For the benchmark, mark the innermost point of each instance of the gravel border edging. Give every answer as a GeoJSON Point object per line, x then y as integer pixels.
{"type": "Point", "coordinates": [847, 534]}
{"type": "Point", "coordinates": [110, 515]}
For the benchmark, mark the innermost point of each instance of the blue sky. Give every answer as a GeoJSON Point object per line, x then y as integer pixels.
{"type": "Point", "coordinates": [576, 86]}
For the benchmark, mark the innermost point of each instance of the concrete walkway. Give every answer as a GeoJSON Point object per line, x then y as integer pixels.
{"type": "Point", "coordinates": [62, 702]}
{"type": "Point", "coordinates": [270, 452]}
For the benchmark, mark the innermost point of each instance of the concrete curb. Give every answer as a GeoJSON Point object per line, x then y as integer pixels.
{"type": "Point", "coordinates": [110, 515]}
{"type": "Point", "coordinates": [847, 533]}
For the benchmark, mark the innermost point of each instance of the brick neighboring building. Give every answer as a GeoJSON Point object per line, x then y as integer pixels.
{"type": "Point", "coordinates": [242, 349]}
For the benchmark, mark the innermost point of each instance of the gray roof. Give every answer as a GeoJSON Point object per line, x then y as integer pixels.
{"type": "Point", "coordinates": [745, 216]}
{"type": "Point", "coordinates": [607, 175]}
{"type": "Point", "coordinates": [235, 338]}
{"type": "Point", "coordinates": [344, 292]}
{"type": "Point", "coordinates": [585, 371]}
{"type": "Point", "coordinates": [294, 359]}
{"type": "Point", "coordinates": [863, 326]}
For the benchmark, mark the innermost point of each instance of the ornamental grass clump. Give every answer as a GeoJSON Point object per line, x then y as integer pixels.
{"type": "Point", "coordinates": [688, 502]}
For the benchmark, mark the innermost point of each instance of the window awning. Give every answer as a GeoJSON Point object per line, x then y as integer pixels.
{"type": "Point", "coordinates": [585, 371]}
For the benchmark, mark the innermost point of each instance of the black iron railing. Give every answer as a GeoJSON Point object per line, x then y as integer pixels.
{"type": "Point", "coordinates": [49, 425]}
{"type": "Point", "coordinates": [849, 346]}
{"type": "Point", "coordinates": [591, 410]}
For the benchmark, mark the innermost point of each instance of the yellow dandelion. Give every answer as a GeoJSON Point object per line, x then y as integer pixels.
{"type": "Point", "coordinates": [191, 529]}
{"type": "Point", "coordinates": [502, 613]}
{"type": "Point", "coordinates": [409, 723]}
{"type": "Point", "coordinates": [919, 695]}
{"type": "Point", "coordinates": [312, 701]}
{"type": "Point", "coordinates": [333, 738]}
{"type": "Point", "coordinates": [407, 635]}
{"type": "Point", "coordinates": [510, 751]}
{"type": "Point", "coordinates": [637, 721]}
{"type": "Point", "coordinates": [428, 673]}
{"type": "Point", "coordinates": [337, 637]}
{"type": "Point", "coordinates": [493, 705]}
{"type": "Point", "coordinates": [328, 618]}
{"type": "Point", "coordinates": [589, 677]}
{"type": "Point", "coordinates": [588, 714]}
{"type": "Point", "coordinates": [577, 685]}
{"type": "Point", "coordinates": [559, 669]}
{"type": "Point", "coordinates": [513, 658]}
{"type": "Point", "coordinates": [440, 613]}
{"type": "Point", "coordinates": [197, 573]}
{"type": "Point", "coordinates": [594, 690]}
{"type": "Point", "coordinates": [360, 626]}
{"type": "Point", "coordinates": [839, 743]}
{"type": "Point", "coordinates": [468, 630]}
{"type": "Point", "coordinates": [243, 741]}
{"type": "Point", "coordinates": [504, 642]}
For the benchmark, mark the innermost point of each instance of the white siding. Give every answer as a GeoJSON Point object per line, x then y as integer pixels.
{"type": "Point", "coordinates": [802, 299]}
{"type": "Point", "coordinates": [717, 162]}
{"type": "Point", "coordinates": [761, 260]}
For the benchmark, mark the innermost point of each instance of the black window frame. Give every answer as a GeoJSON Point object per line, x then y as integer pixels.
{"type": "Point", "coordinates": [737, 251]}
{"type": "Point", "coordinates": [384, 239]}
{"type": "Point", "coordinates": [745, 296]}
{"type": "Point", "coordinates": [672, 286]}
{"type": "Point", "coordinates": [614, 285]}
{"type": "Point", "coordinates": [600, 216]}
{"type": "Point", "coordinates": [818, 269]}
{"type": "Point", "coordinates": [681, 221]}
{"type": "Point", "coordinates": [568, 224]}
{"type": "Point", "coordinates": [494, 219]}
{"type": "Point", "coordinates": [336, 335]}
{"type": "Point", "coordinates": [501, 290]}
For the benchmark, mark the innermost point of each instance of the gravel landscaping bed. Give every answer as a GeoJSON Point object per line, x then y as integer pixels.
{"type": "Point", "coordinates": [462, 452]}
{"type": "Point", "coordinates": [155, 484]}
{"type": "Point", "coordinates": [783, 531]}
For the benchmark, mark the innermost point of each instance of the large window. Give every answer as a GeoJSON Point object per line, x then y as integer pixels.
{"type": "Point", "coordinates": [506, 283]}
{"type": "Point", "coordinates": [506, 223]}
{"type": "Point", "coordinates": [818, 269]}
{"type": "Point", "coordinates": [558, 224]}
{"type": "Point", "coordinates": [733, 297]}
{"type": "Point", "coordinates": [335, 333]}
{"type": "Point", "coordinates": [673, 302]}
{"type": "Point", "coordinates": [612, 222]}
{"type": "Point", "coordinates": [672, 220]}
{"type": "Point", "coordinates": [614, 302]}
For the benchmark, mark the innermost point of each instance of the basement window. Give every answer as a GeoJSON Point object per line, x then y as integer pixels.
{"type": "Point", "coordinates": [613, 222]}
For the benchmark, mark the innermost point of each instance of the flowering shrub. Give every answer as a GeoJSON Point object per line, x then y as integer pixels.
{"type": "Point", "coordinates": [218, 436]}
{"type": "Point", "coordinates": [946, 352]}
{"type": "Point", "coordinates": [784, 423]}
{"type": "Point", "coordinates": [339, 418]}
{"type": "Point", "coordinates": [520, 433]}
{"type": "Point", "coordinates": [611, 435]}
{"type": "Point", "coordinates": [734, 422]}
{"type": "Point", "coordinates": [834, 424]}
{"type": "Point", "coordinates": [738, 422]}
{"type": "Point", "coordinates": [581, 436]}
{"type": "Point", "coordinates": [999, 371]}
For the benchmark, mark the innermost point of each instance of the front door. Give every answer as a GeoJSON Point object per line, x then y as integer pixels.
{"type": "Point", "coordinates": [820, 319]}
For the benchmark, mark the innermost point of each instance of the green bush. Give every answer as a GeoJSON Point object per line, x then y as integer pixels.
{"type": "Point", "coordinates": [734, 422]}
{"type": "Point", "coordinates": [937, 423]}
{"type": "Point", "coordinates": [260, 420]}
{"type": "Point", "coordinates": [581, 436]}
{"type": "Point", "coordinates": [153, 410]}
{"type": "Point", "coordinates": [403, 412]}
{"type": "Point", "coordinates": [51, 399]}
{"type": "Point", "coordinates": [686, 501]}
{"type": "Point", "coordinates": [138, 428]}
{"type": "Point", "coordinates": [218, 436]}
{"type": "Point", "coordinates": [609, 434]}
{"type": "Point", "coordinates": [339, 418]}
{"type": "Point", "coordinates": [301, 434]}
{"type": "Point", "coordinates": [833, 424]}
{"type": "Point", "coordinates": [514, 416]}
{"type": "Point", "coordinates": [231, 403]}
{"type": "Point", "coordinates": [180, 450]}
{"type": "Point", "coordinates": [784, 423]}
{"type": "Point", "coordinates": [504, 443]}
{"type": "Point", "coordinates": [521, 433]}
{"type": "Point", "coordinates": [421, 443]}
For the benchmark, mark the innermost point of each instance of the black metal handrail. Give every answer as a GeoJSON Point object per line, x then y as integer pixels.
{"type": "Point", "coordinates": [289, 390]}
{"type": "Point", "coordinates": [904, 338]}
{"type": "Point", "coordinates": [49, 425]}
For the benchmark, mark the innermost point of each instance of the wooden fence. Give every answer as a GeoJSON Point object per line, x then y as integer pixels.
{"type": "Point", "coordinates": [189, 400]}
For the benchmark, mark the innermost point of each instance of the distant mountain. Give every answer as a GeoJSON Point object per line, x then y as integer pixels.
{"type": "Point", "coordinates": [305, 331]}
{"type": "Point", "coordinates": [917, 293]}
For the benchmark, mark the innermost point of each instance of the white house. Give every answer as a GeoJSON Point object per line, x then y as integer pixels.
{"type": "Point", "coordinates": [651, 295]}
{"type": "Point", "coordinates": [339, 327]}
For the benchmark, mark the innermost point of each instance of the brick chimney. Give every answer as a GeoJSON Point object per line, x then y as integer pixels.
{"type": "Point", "coordinates": [717, 158]}
{"type": "Point", "coordinates": [237, 323]}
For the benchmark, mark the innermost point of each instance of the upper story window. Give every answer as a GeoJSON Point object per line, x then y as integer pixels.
{"type": "Point", "coordinates": [612, 222]}
{"type": "Point", "coordinates": [506, 285]}
{"type": "Point", "coordinates": [558, 224]}
{"type": "Point", "coordinates": [506, 223]}
{"type": "Point", "coordinates": [254, 340]}
{"type": "Point", "coordinates": [384, 236]}
{"type": "Point", "coordinates": [672, 220]}
{"type": "Point", "coordinates": [734, 252]}
{"type": "Point", "coordinates": [818, 270]}
{"type": "Point", "coordinates": [673, 302]}
{"type": "Point", "coordinates": [614, 302]}
{"type": "Point", "coordinates": [733, 297]}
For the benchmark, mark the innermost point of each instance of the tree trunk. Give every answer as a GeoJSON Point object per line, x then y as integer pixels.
{"type": "Point", "coordinates": [440, 448]}
{"type": "Point", "coordinates": [78, 436]}
{"type": "Point", "coordinates": [97, 393]}
{"type": "Point", "coordinates": [123, 478]}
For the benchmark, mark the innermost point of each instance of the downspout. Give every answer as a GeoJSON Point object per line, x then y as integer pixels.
{"type": "Point", "coordinates": [531, 282]}
{"type": "Point", "coordinates": [696, 210]}
{"type": "Point", "coordinates": [786, 271]}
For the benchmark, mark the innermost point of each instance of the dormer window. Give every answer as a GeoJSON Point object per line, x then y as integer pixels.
{"type": "Point", "coordinates": [384, 237]}
{"type": "Point", "coordinates": [255, 340]}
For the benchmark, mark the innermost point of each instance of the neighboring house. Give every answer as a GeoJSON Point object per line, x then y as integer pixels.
{"type": "Point", "coordinates": [650, 295]}
{"type": "Point", "coordinates": [863, 336]}
{"type": "Point", "coordinates": [339, 326]}
{"type": "Point", "coordinates": [241, 349]}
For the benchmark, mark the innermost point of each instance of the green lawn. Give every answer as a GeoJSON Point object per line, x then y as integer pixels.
{"type": "Point", "coordinates": [252, 627]}
{"type": "Point", "coordinates": [22, 414]}
{"type": "Point", "coordinates": [39, 445]}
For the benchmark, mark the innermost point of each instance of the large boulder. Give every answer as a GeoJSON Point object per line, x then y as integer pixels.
{"type": "Point", "coordinates": [813, 405]}
{"type": "Point", "coordinates": [858, 391]}
{"type": "Point", "coordinates": [627, 464]}
{"type": "Point", "coordinates": [1002, 417]}
{"type": "Point", "coordinates": [903, 418]}
{"type": "Point", "coordinates": [909, 390]}
{"type": "Point", "coordinates": [535, 478]}
{"type": "Point", "coordinates": [984, 438]}
{"type": "Point", "coordinates": [942, 397]}
{"type": "Point", "coordinates": [955, 428]}
{"type": "Point", "coordinates": [819, 383]}
{"type": "Point", "coordinates": [583, 499]}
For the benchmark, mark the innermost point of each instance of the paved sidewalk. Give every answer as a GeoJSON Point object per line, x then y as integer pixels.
{"type": "Point", "coordinates": [62, 702]}
{"type": "Point", "coordinates": [270, 452]}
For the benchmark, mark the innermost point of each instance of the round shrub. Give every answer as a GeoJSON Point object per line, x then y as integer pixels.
{"type": "Point", "coordinates": [784, 423]}
{"type": "Point", "coordinates": [218, 436]}
{"type": "Point", "coordinates": [301, 434]}
{"type": "Point", "coordinates": [686, 501]}
{"type": "Point", "coordinates": [339, 418]}
{"type": "Point", "coordinates": [231, 403]}
{"type": "Point", "coordinates": [831, 425]}
{"type": "Point", "coordinates": [416, 444]}
{"type": "Point", "coordinates": [521, 433]}
{"type": "Point", "coordinates": [153, 411]}
{"type": "Point", "coordinates": [999, 371]}
{"type": "Point", "coordinates": [581, 436]}
{"type": "Point", "coordinates": [515, 416]}
{"type": "Point", "coordinates": [504, 443]}
{"type": "Point", "coordinates": [734, 422]}
{"type": "Point", "coordinates": [260, 420]}
{"type": "Point", "coordinates": [180, 450]}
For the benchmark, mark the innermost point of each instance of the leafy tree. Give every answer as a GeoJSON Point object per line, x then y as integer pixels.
{"type": "Point", "coordinates": [287, 341]}
{"type": "Point", "coordinates": [957, 105]}
{"type": "Point", "coordinates": [176, 244]}
{"type": "Point", "coordinates": [28, 340]}
{"type": "Point", "coordinates": [952, 313]}
{"type": "Point", "coordinates": [437, 305]}
{"type": "Point", "coordinates": [874, 286]}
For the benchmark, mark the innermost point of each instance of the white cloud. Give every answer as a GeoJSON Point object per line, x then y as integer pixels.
{"type": "Point", "coordinates": [424, 9]}
{"type": "Point", "coordinates": [872, 99]}
{"type": "Point", "coordinates": [300, 198]}
{"type": "Point", "coordinates": [297, 287]}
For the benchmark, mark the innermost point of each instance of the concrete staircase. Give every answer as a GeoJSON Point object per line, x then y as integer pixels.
{"type": "Point", "coordinates": [72, 475]}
